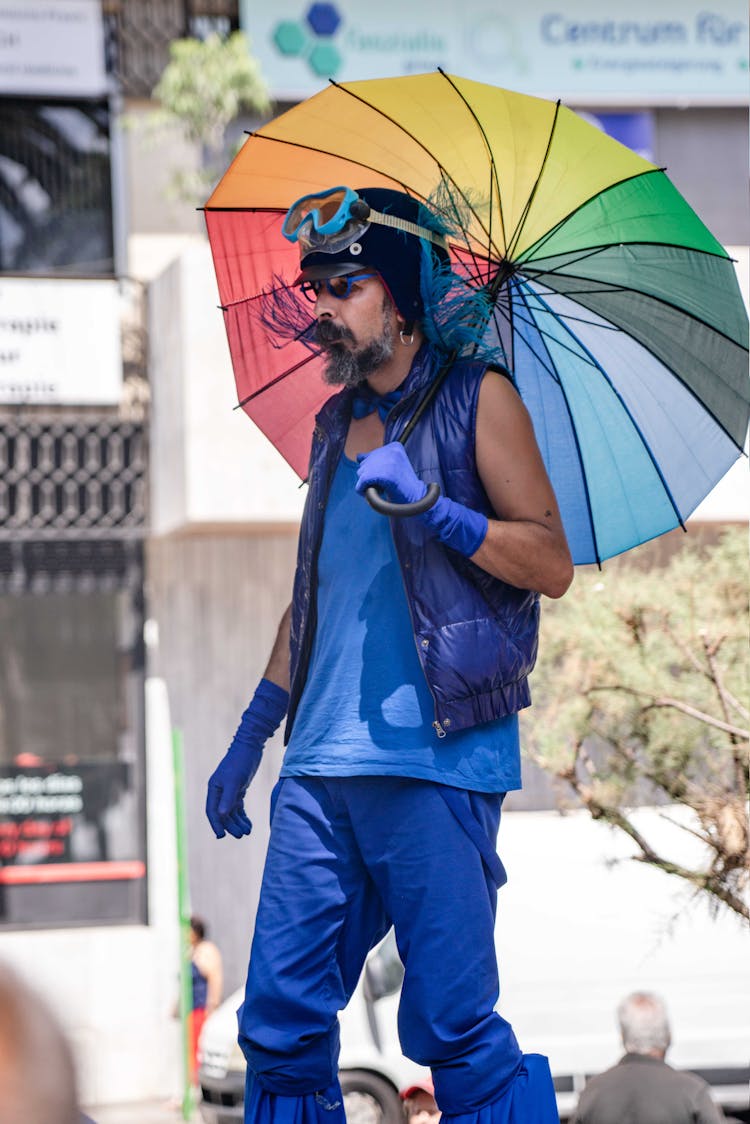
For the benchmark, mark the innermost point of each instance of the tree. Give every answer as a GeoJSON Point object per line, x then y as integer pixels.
{"type": "Point", "coordinates": [204, 87]}
{"type": "Point", "coordinates": [643, 686]}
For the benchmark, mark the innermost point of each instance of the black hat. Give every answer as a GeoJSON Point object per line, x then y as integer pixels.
{"type": "Point", "coordinates": [395, 254]}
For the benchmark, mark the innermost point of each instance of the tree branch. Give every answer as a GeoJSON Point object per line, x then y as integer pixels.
{"type": "Point", "coordinates": [675, 704]}
{"type": "Point", "coordinates": [702, 880]}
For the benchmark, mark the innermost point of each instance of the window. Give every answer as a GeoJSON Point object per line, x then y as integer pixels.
{"type": "Point", "coordinates": [72, 836]}
{"type": "Point", "coordinates": [55, 188]}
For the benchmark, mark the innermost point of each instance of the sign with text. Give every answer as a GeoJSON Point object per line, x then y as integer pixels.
{"type": "Point", "coordinates": [52, 47]}
{"type": "Point", "coordinates": [59, 342]}
{"type": "Point", "coordinates": [66, 823]}
{"type": "Point", "coordinates": [654, 51]}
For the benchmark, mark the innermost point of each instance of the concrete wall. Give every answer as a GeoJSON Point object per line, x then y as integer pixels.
{"type": "Point", "coordinates": [217, 600]}
{"type": "Point", "coordinates": [210, 465]}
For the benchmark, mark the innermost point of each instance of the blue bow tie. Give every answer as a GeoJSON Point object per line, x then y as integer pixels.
{"type": "Point", "coordinates": [366, 401]}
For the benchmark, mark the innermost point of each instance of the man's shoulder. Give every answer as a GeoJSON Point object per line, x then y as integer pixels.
{"type": "Point", "coordinates": [637, 1068]}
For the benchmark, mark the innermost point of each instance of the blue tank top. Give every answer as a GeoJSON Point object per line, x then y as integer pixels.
{"type": "Point", "coordinates": [366, 708]}
{"type": "Point", "coordinates": [200, 986]}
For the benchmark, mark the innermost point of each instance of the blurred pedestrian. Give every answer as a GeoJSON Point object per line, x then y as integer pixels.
{"type": "Point", "coordinates": [37, 1071]}
{"type": "Point", "coordinates": [420, 1106]}
{"type": "Point", "coordinates": [642, 1088]}
{"type": "Point", "coordinates": [207, 973]}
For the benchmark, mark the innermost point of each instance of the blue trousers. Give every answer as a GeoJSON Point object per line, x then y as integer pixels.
{"type": "Point", "coordinates": [347, 858]}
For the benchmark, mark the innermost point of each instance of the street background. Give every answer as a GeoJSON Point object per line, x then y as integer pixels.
{"type": "Point", "coordinates": [148, 530]}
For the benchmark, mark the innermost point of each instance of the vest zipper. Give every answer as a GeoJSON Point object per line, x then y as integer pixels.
{"type": "Point", "coordinates": [311, 625]}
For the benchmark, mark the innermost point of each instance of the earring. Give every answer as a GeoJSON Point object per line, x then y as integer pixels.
{"type": "Point", "coordinates": [406, 334]}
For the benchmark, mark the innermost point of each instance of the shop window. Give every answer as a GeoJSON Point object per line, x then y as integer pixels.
{"type": "Point", "coordinates": [55, 188]}
{"type": "Point", "coordinates": [72, 792]}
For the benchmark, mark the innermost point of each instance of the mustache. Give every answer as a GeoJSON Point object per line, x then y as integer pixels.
{"type": "Point", "coordinates": [326, 332]}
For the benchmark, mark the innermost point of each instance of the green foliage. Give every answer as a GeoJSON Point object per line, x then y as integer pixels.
{"type": "Point", "coordinates": [641, 697]}
{"type": "Point", "coordinates": [206, 84]}
{"type": "Point", "coordinates": [204, 87]}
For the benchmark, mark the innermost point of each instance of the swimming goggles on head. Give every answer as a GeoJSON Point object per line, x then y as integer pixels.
{"type": "Point", "coordinates": [331, 220]}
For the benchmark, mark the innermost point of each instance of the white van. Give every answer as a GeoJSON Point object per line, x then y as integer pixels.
{"type": "Point", "coordinates": [579, 926]}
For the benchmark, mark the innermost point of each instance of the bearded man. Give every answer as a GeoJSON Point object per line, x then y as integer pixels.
{"type": "Point", "coordinates": [401, 666]}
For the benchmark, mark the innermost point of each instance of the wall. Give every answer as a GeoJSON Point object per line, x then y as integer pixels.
{"type": "Point", "coordinates": [217, 600]}
{"type": "Point", "coordinates": [210, 465]}
{"type": "Point", "coordinates": [705, 153]}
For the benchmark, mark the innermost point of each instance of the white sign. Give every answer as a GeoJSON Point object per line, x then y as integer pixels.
{"type": "Point", "coordinates": [583, 51]}
{"type": "Point", "coordinates": [60, 342]}
{"type": "Point", "coordinates": [52, 47]}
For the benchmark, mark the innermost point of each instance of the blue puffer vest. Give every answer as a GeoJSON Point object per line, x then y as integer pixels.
{"type": "Point", "coordinates": [476, 636]}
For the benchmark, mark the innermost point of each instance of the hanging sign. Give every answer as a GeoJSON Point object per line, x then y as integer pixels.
{"type": "Point", "coordinates": [582, 51]}
{"type": "Point", "coordinates": [52, 47]}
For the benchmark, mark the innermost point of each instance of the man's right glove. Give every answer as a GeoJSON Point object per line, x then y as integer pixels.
{"type": "Point", "coordinates": [227, 786]}
{"type": "Point", "coordinates": [454, 524]}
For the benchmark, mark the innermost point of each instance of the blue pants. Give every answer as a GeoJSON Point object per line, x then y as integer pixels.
{"type": "Point", "coordinates": [347, 858]}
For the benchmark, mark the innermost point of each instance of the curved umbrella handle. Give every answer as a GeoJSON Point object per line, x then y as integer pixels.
{"type": "Point", "coordinates": [386, 507]}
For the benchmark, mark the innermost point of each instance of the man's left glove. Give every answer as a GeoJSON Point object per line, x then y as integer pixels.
{"type": "Point", "coordinates": [389, 468]}
{"type": "Point", "coordinates": [228, 784]}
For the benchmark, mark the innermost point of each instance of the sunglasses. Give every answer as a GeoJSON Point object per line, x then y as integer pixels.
{"type": "Point", "coordinates": [338, 287]}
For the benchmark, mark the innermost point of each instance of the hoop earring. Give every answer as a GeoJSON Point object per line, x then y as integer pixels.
{"type": "Point", "coordinates": [406, 334]}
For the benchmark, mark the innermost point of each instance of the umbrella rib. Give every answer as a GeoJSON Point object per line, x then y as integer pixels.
{"type": "Point", "coordinates": [494, 180]}
{"type": "Point", "coordinates": [622, 402]}
{"type": "Point", "coordinates": [527, 206]}
{"type": "Point", "coordinates": [443, 171]}
{"type": "Point", "coordinates": [318, 150]}
{"type": "Point", "coordinates": [592, 251]}
{"type": "Point", "coordinates": [579, 451]}
{"type": "Point", "coordinates": [544, 334]}
{"type": "Point", "coordinates": [531, 250]}
{"type": "Point", "coordinates": [608, 325]}
{"type": "Point", "coordinates": [606, 287]}
{"type": "Point", "coordinates": [278, 379]}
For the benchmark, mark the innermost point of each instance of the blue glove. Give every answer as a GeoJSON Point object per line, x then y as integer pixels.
{"type": "Point", "coordinates": [389, 468]}
{"type": "Point", "coordinates": [228, 784]}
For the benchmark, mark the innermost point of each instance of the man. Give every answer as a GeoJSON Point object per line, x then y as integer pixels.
{"type": "Point", "coordinates": [642, 1088]}
{"type": "Point", "coordinates": [401, 666]}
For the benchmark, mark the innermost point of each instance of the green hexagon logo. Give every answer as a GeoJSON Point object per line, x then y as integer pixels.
{"type": "Point", "coordinates": [290, 39]}
{"type": "Point", "coordinates": [324, 60]}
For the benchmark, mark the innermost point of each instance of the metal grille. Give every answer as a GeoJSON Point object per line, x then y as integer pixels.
{"type": "Point", "coordinates": [55, 187]}
{"type": "Point", "coordinates": [72, 477]}
{"type": "Point", "coordinates": [138, 34]}
{"type": "Point", "coordinates": [71, 566]}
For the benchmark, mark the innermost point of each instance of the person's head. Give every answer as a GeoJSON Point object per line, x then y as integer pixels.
{"type": "Point", "coordinates": [420, 1106]}
{"type": "Point", "coordinates": [197, 930]}
{"type": "Point", "coordinates": [37, 1072]}
{"type": "Point", "coordinates": [644, 1024]}
{"type": "Point", "coordinates": [363, 258]}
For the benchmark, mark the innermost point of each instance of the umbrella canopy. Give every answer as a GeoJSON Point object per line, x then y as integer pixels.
{"type": "Point", "coordinates": [617, 312]}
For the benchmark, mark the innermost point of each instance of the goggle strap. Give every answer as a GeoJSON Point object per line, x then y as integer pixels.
{"type": "Point", "coordinates": [409, 227]}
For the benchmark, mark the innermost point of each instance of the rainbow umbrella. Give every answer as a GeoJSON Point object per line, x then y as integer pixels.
{"type": "Point", "coordinates": [617, 312]}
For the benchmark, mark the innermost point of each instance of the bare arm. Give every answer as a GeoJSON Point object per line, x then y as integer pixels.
{"type": "Point", "coordinates": [277, 669]}
{"type": "Point", "coordinates": [526, 545]}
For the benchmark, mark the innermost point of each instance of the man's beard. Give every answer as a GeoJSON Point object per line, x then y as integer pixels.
{"type": "Point", "coordinates": [346, 367]}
